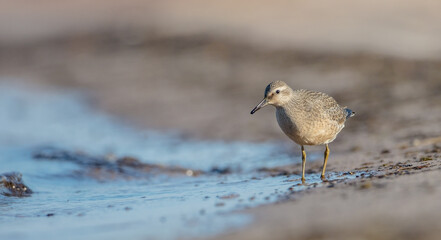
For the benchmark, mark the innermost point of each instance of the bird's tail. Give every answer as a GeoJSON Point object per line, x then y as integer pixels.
{"type": "Point", "coordinates": [349, 113]}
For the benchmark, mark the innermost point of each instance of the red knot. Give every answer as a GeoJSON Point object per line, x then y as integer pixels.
{"type": "Point", "coordinates": [306, 117]}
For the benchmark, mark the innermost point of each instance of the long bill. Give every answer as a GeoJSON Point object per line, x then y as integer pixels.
{"type": "Point", "coordinates": [262, 104]}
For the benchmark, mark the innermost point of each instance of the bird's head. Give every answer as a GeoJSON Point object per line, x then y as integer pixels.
{"type": "Point", "coordinates": [277, 93]}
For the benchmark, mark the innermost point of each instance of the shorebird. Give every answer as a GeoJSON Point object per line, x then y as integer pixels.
{"type": "Point", "coordinates": [306, 117]}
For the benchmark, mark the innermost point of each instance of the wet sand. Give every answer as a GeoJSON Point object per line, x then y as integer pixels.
{"type": "Point", "coordinates": [397, 103]}
{"type": "Point", "coordinates": [94, 177]}
{"type": "Point", "coordinates": [211, 84]}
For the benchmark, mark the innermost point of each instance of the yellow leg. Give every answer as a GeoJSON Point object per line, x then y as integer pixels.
{"type": "Point", "coordinates": [325, 162]}
{"type": "Point", "coordinates": [303, 164]}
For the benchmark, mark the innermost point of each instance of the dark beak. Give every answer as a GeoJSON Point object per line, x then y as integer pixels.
{"type": "Point", "coordinates": [262, 104]}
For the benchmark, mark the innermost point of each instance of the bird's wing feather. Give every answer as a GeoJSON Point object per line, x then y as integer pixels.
{"type": "Point", "coordinates": [325, 105]}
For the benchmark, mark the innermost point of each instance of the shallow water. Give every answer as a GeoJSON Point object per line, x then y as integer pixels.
{"type": "Point", "coordinates": [69, 206]}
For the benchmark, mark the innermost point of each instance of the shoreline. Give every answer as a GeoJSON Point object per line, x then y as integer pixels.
{"type": "Point", "coordinates": [395, 132]}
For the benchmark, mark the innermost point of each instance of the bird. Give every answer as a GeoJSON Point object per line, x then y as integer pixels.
{"type": "Point", "coordinates": [306, 117]}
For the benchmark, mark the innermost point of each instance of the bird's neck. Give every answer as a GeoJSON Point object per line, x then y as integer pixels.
{"type": "Point", "coordinates": [290, 107]}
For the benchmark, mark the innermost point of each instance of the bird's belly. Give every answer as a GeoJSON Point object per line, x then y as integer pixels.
{"type": "Point", "coordinates": [308, 132]}
{"type": "Point", "coordinates": [290, 128]}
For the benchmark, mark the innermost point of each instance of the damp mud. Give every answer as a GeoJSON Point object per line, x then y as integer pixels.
{"type": "Point", "coordinates": [172, 73]}
{"type": "Point", "coordinates": [94, 177]}
{"type": "Point", "coordinates": [109, 167]}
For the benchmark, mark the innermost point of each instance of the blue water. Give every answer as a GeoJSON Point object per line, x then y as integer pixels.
{"type": "Point", "coordinates": [159, 207]}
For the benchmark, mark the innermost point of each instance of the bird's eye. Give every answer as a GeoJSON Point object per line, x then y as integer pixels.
{"type": "Point", "coordinates": [277, 91]}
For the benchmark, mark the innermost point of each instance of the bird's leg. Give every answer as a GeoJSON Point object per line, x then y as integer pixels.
{"type": "Point", "coordinates": [326, 161]}
{"type": "Point", "coordinates": [303, 164]}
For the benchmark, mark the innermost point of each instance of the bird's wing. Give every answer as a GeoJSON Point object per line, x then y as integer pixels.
{"type": "Point", "coordinates": [326, 106]}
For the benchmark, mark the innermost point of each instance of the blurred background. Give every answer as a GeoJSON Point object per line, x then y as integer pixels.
{"type": "Point", "coordinates": [200, 66]}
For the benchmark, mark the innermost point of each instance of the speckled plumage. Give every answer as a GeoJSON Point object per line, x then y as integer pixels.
{"type": "Point", "coordinates": [311, 118]}
{"type": "Point", "coordinates": [306, 117]}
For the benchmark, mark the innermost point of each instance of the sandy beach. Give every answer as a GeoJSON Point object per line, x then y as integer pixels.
{"type": "Point", "coordinates": [188, 68]}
